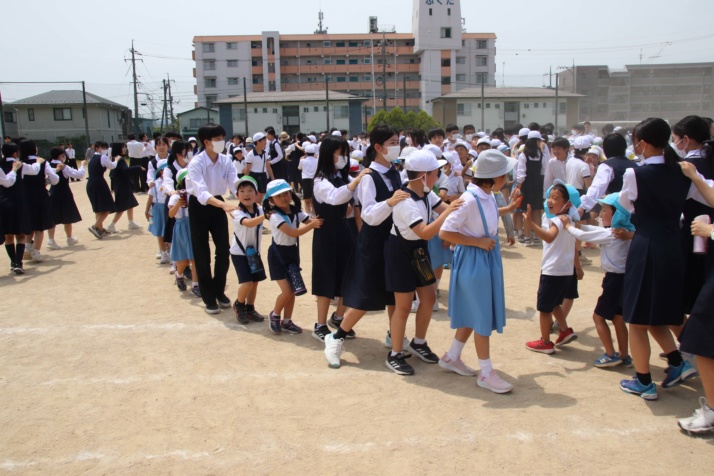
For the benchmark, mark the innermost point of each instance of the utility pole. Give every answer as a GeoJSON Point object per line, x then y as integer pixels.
{"type": "Point", "coordinates": [384, 69]}
{"type": "Point", "coordinates": [163, 109]}
{"type": "Point", "coordinates": [550, 78]}
{"type": "Point", "coordinates": [483, 107]}
{"type": "Point", "coordinates": [85, 112]}
{"type": "Point", "coordinates": [2, 119]}
{"type": "Point", "coordinates": [171, 98]}
{"type": "Point", "coordinates": [404, 91]}
{"type": "Point", "coordinates": [557, 104]}
{"type": "Point", "coordinates": [245, 106]}
{"type": "Point", "coordinates": [136, 94]}
{"type": "Point", "coordinates": [327, 102]}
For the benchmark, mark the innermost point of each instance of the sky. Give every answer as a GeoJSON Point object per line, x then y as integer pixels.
{"type": "Point", "coordinates": [77, 40]}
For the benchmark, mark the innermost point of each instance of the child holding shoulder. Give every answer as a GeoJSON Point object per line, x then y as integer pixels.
{"type": "Point", "coordinates": [559, 257]}
{"type": "Point", "coordinates": [477, 301]}
{"type": "Point", "coordinates": [247, 231]}
{"type": "Point", "coordinates": [614, 241]}
{"type": "Point", "coordinates": [181, 249]}
{"type": "Point", "coordinates": [157, 213]}
{"type": "Point", "coordinates": [282, 207]}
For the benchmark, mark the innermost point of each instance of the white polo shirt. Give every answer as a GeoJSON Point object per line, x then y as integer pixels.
{"type": "Point", "coordinates": [558, 256]}
{"type": "Point", "coordinates": [247, 236]}
{"type": "Point", "coordinates": [410, 212]}
{"type": "Point", "coordinates": [277, 222]}
{"type": "Point", "coordinates": [467, 218]}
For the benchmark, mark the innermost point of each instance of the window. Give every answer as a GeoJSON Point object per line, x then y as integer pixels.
{"type": "Point", "coordinates": [256, 44]}
{"type": "Point", "coordinates": [354, 79]}
{"type": "Point", "coordinates": [340, 61]}
{"type": "Point", "coordinates": [271, 67]}
{"type": "Point", "coordinates": [275, 110]}
{"type": "Point", "coordinates": [232, 63]}
{"type": "Point", "coordinates": [311, 80]}
{"type": "Point", "coordinates": [497, 105]}
{"type": "Point", "coordinates": [109, 119]}
{"type": "Point", "coordinates": [232, 81]}
{"type": "Point", "coordinates": [367, 60]}
{"type": "Point", "coordinates": [446, 80]}
{"type": "Point", "coordinates": [306, 109]}
{"type": "Point", "coordinates": [481, 44]}
{"type": "Point", "coordinates": [535, 105]}
{"type": "Point", "coordinates": [446, 62]}
{"type": "Point", "coordinates": [448, 11]}
{"type": "Point", "coordinates": [63, 114]}
{"type": "Point", "coordinates": [231, 45]}
{"type": "Point", "coordinates": [309, 61]}
{"type": "Point", "coordinates": [9, 117]}
{"type": "Point", "coordinates": [255, 110]}
{"type": "Point", "coordinates": [445, 32]}
{"type": "Point", "coordinates": [562, 108]}
{"type": "Point", "coordinates": [367, 43]}
{"type": "Point", "coordinates": [340, 44]}
{"type": "Point", "coordinates": [367, 77]}
{"type": "Point", "coordinates": [526, 105]}
{"type": "Point", "coordinates": [240, 114]}
{"type": "Point", "coordinates": [209, 65]}
{"type": "Point", "coordinates": [430, 12]}
{"type": "Point", "coordinates": [324, 108]}
{"type": "Point", "coordinates": [209, 82]}
{"type": "Point", "coordinates": [198, 122]}
{"type": "Point", "coordinates": [353, 61]}
{"type": "Point", "coordinates": [271, 85]}
{"type": "Point", "coordinates": [265, 110]}
{"type": "Point", "coordinates": [460, 60]}
{"type": "Point", "coordinates": [481, 60]}
{"type": "Point", "coordinates": [257, 79]}
{"type": "Point", "coordinates": [545, 104]}
{"type": "Point", "coordinates": [461, 78]}
{"type": "Point", "coordinates": [341, 79]}
{"type": "Point", "coordinates": [316, 109]}
{"type": "Point", "coordinates": [327, 61]}
{"type": "Point", "coordinates": [209, 47]}
{"type": "Point", "coordinates": [352, 44]}
{"type": "Point", "coordinates": [480, 78]}
{"type": "Point", "coordinates": [326, 44]}
{"type": "Point", "coordinates": [210, 100]}
{"type": "Point", "coordinates": [341, 112]}
{"type": "Point", "coordinates": [30, 114]}
{"type": "Point", "coordinates": [488, 105]}
{"type": "Point", "coordinates": [463, 109]}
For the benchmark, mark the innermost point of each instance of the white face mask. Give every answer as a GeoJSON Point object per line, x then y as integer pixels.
{"type": "Point", "coordinates": [469, 137]}
{"type": "Point", "coordinates": [105, 152]}
{"type": "Point", "coordinates": [341, 162]}
{"type": "Point", "coordinates": [408, 140]}
{"type": "Point", "coordinates": [189, 156]}
{"type": "Point", "coordinates": [392, 153]}
{"type": "Point", "coordinates": [218, 146]}
{"type": "Point", "coordinates": [574, 132]}
{"type": "Point", "coordinates": [640, 157]}
{"type": "Point", "coordinates": [682, 153]}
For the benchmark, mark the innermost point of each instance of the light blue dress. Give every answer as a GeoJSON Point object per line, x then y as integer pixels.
{"type": "Point", "coordinates": [181, 248]}
{"type": "Point", "coordinates": [158, 216]}
{"type": "Point", "coordinates": [477, 298]}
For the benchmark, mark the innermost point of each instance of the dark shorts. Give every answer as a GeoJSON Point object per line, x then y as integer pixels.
{"type": "Point", "coordinates": [552, 291]}
{"type": "Point", "coordinates": [571, 292]}
{"type": "Point", "coordinates": [307, 184]}
{"type": "Point", "coordinates": [240, 263]}
{"type": "Point", "coordinates": [399, 275]}
{"type": "Point", "coordinates": [262, 179]}
{"type": "Point", "coordinates": [278, 265]}
{"type": "Point", "coordinates": [609, 304]}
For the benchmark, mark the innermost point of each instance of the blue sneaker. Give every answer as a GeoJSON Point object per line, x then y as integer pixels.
{"type": "Point", "coordinates": [608, 361]}
{"type": "Point", "coordinates": [627, 361]}
{"type": "Point", "coordinates": [634, 387]}
{"type": "Point", "coordinates": [677, 375]}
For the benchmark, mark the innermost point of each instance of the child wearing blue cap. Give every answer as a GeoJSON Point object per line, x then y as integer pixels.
{"type": "Point", "coordinates": [557, 281]}
{"type": "Point", "coordinates": [614, 241]}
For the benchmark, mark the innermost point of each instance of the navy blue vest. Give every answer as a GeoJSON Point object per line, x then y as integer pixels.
{"type": "Point", "coordinates": [618, 165]}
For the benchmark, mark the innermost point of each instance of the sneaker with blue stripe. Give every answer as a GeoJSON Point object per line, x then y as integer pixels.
{"type": "Point", "coordinates": [677, 375]}
{"type": "Point", "coordinates": [634, 387]}
{"type": "Point", "coordinates": [608, 360]}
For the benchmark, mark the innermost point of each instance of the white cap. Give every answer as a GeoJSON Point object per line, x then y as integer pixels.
{"type": "Point", "coordinates": [192, 139]}
{"type": "Point", "coordinates": [258, 136]}
{"type": "Point", "coordinates": [473, 153]}
{"type": "Point", "coordinates": [481, 134]}
{"type": "Point", "coordinates": [336, 134]}
{"type": "Point", "coordinates": [462, 144]}
{"type": "Point", "coordinates": [354, 165]}
{"type": "Point", "coordinates": [435, 150]}
{"type": "Point", "coordinates": [535, 135]}
{"type": "Point", "coordinates": [312, 138]}
{"type": "Point", "coordinates": [422, 161]}
{"type": "Point", "coordinates": [514, 140]}
{"type": "Point", "coordinates": [406, 151]}
{"type": "Point", "coordinates": [582, 142]}
{"type": "Point", "coordinates": [483, 140]}
{"type": "Point", "coordinates": [357, 155]}
{"type": "Point", "coordinates": [312, 149]}
{"type": "Point", "coordinates": [617, 128]}
{"type": "Point", "coordinates": [305, 144]}
{"type": "Point", "coordinates": [495, 143]}
{"type": "Point", "coordinates": [594, 151]}
{"type": "Point", "coordinates": [523, 132]}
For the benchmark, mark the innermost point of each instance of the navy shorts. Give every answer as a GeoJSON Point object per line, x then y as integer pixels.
{"type": "Point", "coordinates": [307, 185]}
{"type": "Point", "coordinates": [278, 265]}
{"type": "Point", "coordinates": [240, 263]}
{"type": "Point", "coordinates": [609, 304]}
{"type": "Point", "coordinates": [571, 292]}
{"type": "Point", "coordinates": [262, 179]}
{"type": "Point", "coordinates": [552, 290]}
{"type": "Point", "coordinates": [399, 275]}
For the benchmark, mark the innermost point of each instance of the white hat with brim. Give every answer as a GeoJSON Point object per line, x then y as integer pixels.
{"type": "Point", "coordinates": [523, 132]}
{"type": "Point", "coordinates": [422, 161]}
{"type": "Point", "coordinates": [582, 142]}
{"type": "Point", "coordinates": [535, 135]}
{"type": "Point", "coordinates": [483, 140]}
{"type": "Point", "coordinates": [276, 187]}
{"type": "Point", "coordinates": [258, 136]}
{"type": "Point", "coordinates": [192, 139]}
{"type": "Point", "coordinates": [336, 134]}
{"type": "Point", "coordinates": [492, 163]}
{"type": "Point", "coordinates": [406, 151]}
{"type": "Point", "coordinates": [246, 179]}
{"type": "Point", "coordinates": [435, 150]}
{"type": "Point", "coordinates": [312, 149]}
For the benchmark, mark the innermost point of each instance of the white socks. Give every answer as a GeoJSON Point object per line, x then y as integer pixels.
{"type": "Point", "coordinates": [419, 341]}
{"type": "Point", "coordinates": [455, 350]}
{"type": "Point", "coordinates": [486, 367]}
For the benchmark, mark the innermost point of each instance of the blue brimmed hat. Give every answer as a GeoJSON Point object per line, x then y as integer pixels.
{"type": "Point", "coordinates": [276, 187]}
{"type": "Point", "coordinates": [573, 197]}
{"type": "Point", "coordinates": [621, 217]}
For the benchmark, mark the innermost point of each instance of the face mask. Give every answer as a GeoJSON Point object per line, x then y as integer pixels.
{"type": "Point", "coordinates": [682, 153]}
{"type": "Point", "coordinates": [640, 157]}
{"type": "Point", "coordinates": [105, 151]}
{"type": "Point", "coordinates": [189, 156]}
{"type": "Point", "coordinates": [455, 137]}
{"type": "Point", "coordinates": [392, 153]}
{"type": "Point", "coordinates": [574, 132]}
{"type": "Point", "coordinates": [469, 137]}
{"type": "Point", "coordinates": [341, 162]}
{"type": "Point", "coordinates": [218, 146]}
{"type": "Point", "coordinates": [408, 140]}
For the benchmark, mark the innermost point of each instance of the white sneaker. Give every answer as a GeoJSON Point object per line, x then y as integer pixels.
{"type": "Point", "coordinates": [158, 254]}
{"type": "Point", "coordinates": [134, 226]}
{"type": "Point", "coordinates": [111, 228]}
{"type": "Point", "coordinates": [164, 258]}
{"type": "Point", "coordinates": [333, 350]}
{"type": "Point", "coordinates": [701, 421]}
{"type": "Point", "coordinates": [436, 306]}
{"type": "Point", "coordinates": [494, 383]}
{"type": "Point", "coordinates": [72, 241]}
{"type": "Point", "coordinates": [173, 268]}
{"type": "Point", "coordinates": [52, 245]}
{"type": "Point", "coordinates": [36, 256]}
{"type": "Point", "coordinates": [415, 306]}
{"type": "Point", "coordinates": [457, 366]}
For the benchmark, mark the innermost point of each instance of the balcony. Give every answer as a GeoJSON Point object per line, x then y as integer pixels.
{"type": "Point", "coordinates": [351, 51]}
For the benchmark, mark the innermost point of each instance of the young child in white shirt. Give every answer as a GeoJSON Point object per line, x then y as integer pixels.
{"type": "Point", "coordinates": [181, 246]}
{"type": "Point", "coordinates": [557, 281]}
{"type": "Point", "coordinates": [247, 232]}
{"type": "Point", "coordinates": [308, 166]}
{"type": "Point", "coordinates": [614, 241]}
{"type": "Point", "coordinates": [156, 213]}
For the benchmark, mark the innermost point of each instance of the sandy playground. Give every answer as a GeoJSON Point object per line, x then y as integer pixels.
{"type": "Point", "coordinates": [107, 369]}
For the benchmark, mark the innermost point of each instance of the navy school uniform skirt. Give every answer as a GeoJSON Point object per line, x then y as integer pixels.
{"type": "Point", "coordinates": [399, 275]}
{"type": "Point", "coordinates": [697, 337]}
{"type": "Point", "coordinates": [278, 265]}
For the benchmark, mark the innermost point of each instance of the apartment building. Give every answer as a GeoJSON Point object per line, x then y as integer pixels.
{"type": "Point", "coordinates": [670, 91]}
{"type": "Point", "coordinates": [387, 69]}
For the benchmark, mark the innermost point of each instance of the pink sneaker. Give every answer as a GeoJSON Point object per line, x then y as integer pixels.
{"type": "Point", "coordinates": [458, 366]}
{"type": "Point", "coordinates": [494, 383]}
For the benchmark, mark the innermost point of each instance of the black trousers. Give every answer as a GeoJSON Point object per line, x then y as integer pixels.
{"type": "Point", "coordinates": [135, 177]}
{"type": "Point", "coordinates": [142, 176]}
{"type": "Point", "coordinates": [205, 220]}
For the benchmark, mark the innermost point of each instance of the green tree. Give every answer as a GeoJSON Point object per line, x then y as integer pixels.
{"type": "Point", "coordinates": [396, 118]}
{"type": "Point", "coordinates": [410, 119]}
{"type": "Point", "coordinates": [425, 122]}
{"type": "Point", "coordinates": [377, 119]}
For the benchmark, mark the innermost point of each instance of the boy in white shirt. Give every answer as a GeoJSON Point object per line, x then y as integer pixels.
{"type": "Point", "coordinates": [557, 281]}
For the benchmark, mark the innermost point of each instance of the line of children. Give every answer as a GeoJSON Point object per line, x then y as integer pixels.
{"type": "Point", "coordinates": [122, 178]}
{"type": "Point", "coordinates": [181, 249]}
{"type": "Point", "coordinates": [64, 208]}
{"type": "Point", "coordinates": [97, 189]}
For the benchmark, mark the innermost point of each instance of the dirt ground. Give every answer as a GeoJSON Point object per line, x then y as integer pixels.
{"type": "Point", "coordinates": [106, 368]}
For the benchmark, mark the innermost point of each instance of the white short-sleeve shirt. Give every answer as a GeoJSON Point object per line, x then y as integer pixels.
{"type": "Point", "coordinates": [467, 218]}
{"type": "Point", "coordinates": [277, 222]}
{"type": "Point", "coordinates": [575, 171]}
{"type": "Point", "coordinates": [257, 162]}
{"type": "Point", "coordinates": [409, 213]}
{"type": "Point", "coordinates": [183, 212]}
{"type": "Point", "coordinates": [247, 236]}
{"type": "Point", "coordinates": [558, 256]}
{"type": "Point", "coordinates": [309, 166]}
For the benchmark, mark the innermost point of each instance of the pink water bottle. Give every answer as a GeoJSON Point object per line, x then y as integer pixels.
{"type": "Point", "coordinates": [701, 243]}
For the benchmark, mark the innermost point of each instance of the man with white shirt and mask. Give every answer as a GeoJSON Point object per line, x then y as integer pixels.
{"type": "Point", "coordinates": [135, 151]}
{"type": "Point", "coordinates": [210, 173]}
